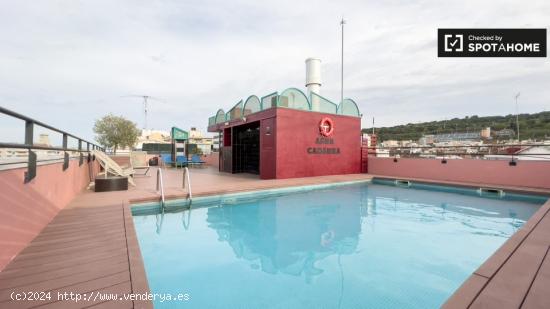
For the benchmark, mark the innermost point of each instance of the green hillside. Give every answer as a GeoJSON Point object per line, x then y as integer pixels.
{"type": "Point", "coordinates": [533, 126]}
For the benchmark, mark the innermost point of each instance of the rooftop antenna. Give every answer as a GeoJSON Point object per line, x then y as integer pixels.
{"type": "Point", "coordinates": [517, 115]}
{"type": "Point", "coordinates": [342, 23]}
{"type": "Point", "coordinates": [146, 98]}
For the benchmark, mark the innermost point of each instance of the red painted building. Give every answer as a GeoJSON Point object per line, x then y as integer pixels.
{"type": "Point", "coordinates": [285, 136]}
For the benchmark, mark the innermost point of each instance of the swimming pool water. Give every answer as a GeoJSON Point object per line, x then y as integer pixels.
{"type": "Point", "coordinates": [354, 246]}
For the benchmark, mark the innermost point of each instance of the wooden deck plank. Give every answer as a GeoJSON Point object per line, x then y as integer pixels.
{"type": "Point", "coordinates": [59, 250]}
{"type": "Point", "coordinates": [118, 289]}
{"type": "Point", "coordinates": [59, 264]}
{"type": "Point", "coordinates": [77, 237]}
{"type": "Point", "coordinates": [508, 287]}
{"type": "Point", "coordinates": [105, 267]}
{"type": "Point", "coordinates": [538, 294]}
{"type": "Point", "coordinates": [81, 251]}
{"type": "Point", "coordinates": [490, 267]}
{"type": "Point", "coordinates": [113, 305]}
{"type": "Point", "coordinates": [74, 254]}
{"type": "Point", "coordinates": [467, 292]}
{"type": "Point", "coordinates": [137, 268]}
{"type": "Point", "coordinates": [84, 288]}
{"type": "Point", "coordinates": [67, 280]}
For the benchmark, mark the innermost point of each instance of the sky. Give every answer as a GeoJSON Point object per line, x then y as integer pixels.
{"type": "Point", "coordinates": [68, 63]}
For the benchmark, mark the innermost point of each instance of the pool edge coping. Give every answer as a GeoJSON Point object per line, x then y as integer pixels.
{"type": "Point", "coordinates": [138, 275]}
{"type": "Point", "coordinates": [206, 198]}
{"type": "Point", "coordinates": [520, 190]}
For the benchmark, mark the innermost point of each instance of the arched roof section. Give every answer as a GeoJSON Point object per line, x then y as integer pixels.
{"type": "Point", "coordinates": [323, 105]}
{"type": "Point", "coordinates": [294, 98]}
{"type": "Point", "coordinates": [349, 107]}
{"type": "Point", "coordinates": [252, 105]}
{"type": "Point", "coordinates": [269, 100]}
{"type": "Point", "coordinates": [220, 116]}
{"type": "Point", "coordinates": [236, 112]}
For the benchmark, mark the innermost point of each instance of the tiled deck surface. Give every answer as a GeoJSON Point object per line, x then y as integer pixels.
{"type": "Point", "coordinates": [90, 247]}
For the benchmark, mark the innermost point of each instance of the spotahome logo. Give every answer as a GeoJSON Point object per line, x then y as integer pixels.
{"type": "Point", "coordinates": [454, 42]}
{"type": "Point", "coordinates": [491, 42]}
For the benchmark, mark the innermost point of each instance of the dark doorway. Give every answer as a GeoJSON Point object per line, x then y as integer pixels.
{"type": "Point", "coordinates": [246, 148]}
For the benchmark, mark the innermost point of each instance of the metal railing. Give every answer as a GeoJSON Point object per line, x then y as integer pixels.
{"type": "Point", "coordinates": [187, 180]}
{"type": "Point", "coordinates": [486, 151]}
{"type": "Point", "coordinates": [160, 187]}
{"type": "Point", "coordinates": [29, 144]}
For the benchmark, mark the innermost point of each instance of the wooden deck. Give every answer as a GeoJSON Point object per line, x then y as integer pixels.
{"type": "Point", "coordinates": [90, 247]}
{"type": "Point", "coordinates": [517, 275]}
{"type": "Point", "coordinates": [81, 250]}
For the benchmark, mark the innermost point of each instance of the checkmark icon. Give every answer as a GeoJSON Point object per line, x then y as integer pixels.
{"type": "Point", "coordinates": [454, 43]}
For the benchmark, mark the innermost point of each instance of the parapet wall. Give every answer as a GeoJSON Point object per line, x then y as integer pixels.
{"type": "Point", "coordinates": [213, 159]}
{"type": "Point", "coordinates": [526, 174]}
{"type": "Point", "coordinates": [25, 209]}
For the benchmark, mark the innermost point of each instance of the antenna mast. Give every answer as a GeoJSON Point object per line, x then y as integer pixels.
{"type": "Point", "coordinates": [342, 23]}
{"type": "Point", "coordinates": [146, 99]}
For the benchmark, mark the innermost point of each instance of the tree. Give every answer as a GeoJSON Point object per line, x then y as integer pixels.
{"type": "Point", "coordinates": [116, 132]}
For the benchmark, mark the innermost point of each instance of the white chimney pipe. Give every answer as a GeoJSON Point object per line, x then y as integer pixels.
{"type": "Point", "coordinates": [313, 80]}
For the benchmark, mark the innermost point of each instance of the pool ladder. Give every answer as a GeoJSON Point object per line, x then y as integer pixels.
{"type": "Point", "coordinates": [160, 187]}
{"type": "Point", "coordinates": [187, 180]}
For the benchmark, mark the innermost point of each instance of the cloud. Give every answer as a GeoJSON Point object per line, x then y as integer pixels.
{"type": "Point", "coordinates": [68, 63]}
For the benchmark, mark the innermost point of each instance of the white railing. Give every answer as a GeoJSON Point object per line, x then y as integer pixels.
{"type": "Point", "coordinates": [160, 187]}
{"type": "Point", "coordinates": [187, 180]}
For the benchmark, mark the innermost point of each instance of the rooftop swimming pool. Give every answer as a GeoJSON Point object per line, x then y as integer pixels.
{"type": "Point", "coordinates": [362, 245]}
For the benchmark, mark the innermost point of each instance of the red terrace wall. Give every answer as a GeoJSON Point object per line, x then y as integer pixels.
{"type": "Point", "coordinates": [297, 130]}
{"type": "Point", "coordinates": [534, 174]}
{"type": "Point", "coordinates": [213, 159]}
{"type": "Point", "coordinates": [122, 160]}
{"type": "Point", "coordinates": [26, 208]}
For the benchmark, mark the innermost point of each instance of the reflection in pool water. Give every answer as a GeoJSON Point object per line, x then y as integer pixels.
{"type": "Point", "coordinates": [347, 247]}
{"type": "Point", "coordinates": [266, 234]}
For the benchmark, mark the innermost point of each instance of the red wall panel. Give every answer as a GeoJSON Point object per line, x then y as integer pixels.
{"type": "Point", "coordinates": [268, 148]}
{"type": "Point", "coordinates": [298, 130]}
{"type": "Point", "coordinates": [25, 208]}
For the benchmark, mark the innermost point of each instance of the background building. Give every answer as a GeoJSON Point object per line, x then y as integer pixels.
{"type": "Point", "coordinates": [204, 144]}
{"type": "Point", "coordinates": [152, 136]}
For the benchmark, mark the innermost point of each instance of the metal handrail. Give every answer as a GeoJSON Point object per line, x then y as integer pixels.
{"type": "Point", "coordinates": [30, 146]}
{"type": "Point", "coordinates": [186, 176]}
{"type": "Point", "coordinates": [458, 150]}
{"type": "Point", "coordinates": [160, 186]}
{"type": "Point", "coordinates": [29, 124]}
{"type": "Point", "coordinates": [40, 147]}
{"type": "Point", "coordinates": [459, 146]}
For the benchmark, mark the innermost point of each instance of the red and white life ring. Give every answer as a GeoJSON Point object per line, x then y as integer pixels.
{"type": "Point", "coordinates": [326, 127]}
